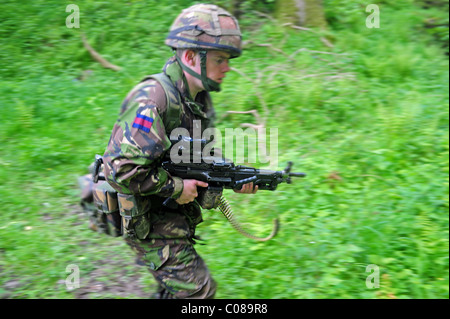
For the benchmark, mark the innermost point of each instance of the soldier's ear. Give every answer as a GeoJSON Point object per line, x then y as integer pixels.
{"type": "Point", "coordinates": [189, 57]}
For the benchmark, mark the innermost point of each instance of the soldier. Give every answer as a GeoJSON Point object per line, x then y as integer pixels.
{"type": "Point", "coordinates": [204, 38]}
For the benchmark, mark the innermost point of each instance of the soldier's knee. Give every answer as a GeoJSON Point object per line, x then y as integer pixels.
{"type": "Point", "coordinates": [204, 290]}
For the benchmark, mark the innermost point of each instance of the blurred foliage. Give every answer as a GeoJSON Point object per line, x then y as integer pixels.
{"type": "Point", "coordinates": [366, 118]}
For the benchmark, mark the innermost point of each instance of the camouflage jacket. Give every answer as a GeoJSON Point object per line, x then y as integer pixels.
{"type": "Point", "coordinates": [138, 142]}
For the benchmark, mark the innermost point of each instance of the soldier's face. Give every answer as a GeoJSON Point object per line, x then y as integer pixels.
{"type": "Point", "coordinates": [217, 64]}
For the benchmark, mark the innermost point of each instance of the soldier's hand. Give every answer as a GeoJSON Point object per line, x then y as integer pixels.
{"type": "Point", "coordinates": [190, 191]}
{"type": "Point", "coordinates": [247, 189]}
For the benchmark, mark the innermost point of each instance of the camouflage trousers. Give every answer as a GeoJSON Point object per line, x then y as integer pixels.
{"type": "Point", "coordinates": [176, 266]}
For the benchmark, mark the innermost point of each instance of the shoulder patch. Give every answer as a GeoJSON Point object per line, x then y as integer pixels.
{"type": "Point", "coordinates": [143, 123]}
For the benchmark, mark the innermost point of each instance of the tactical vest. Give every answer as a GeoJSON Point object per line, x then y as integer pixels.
{"type": "Point", "coordinates": [172, 116]}
{"type": "Point", "coordinates": [118, 214]}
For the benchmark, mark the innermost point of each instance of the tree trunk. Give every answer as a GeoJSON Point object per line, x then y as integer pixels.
{"type": "Point", "coordinates": [234, 7]}
{"type": "Point", "coordinates": [306, 13]}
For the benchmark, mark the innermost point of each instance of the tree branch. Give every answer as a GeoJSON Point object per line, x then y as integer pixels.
{"type": "Point", "coordinates": [97, 57]}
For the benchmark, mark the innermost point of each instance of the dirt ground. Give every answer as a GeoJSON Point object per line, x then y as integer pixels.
{"type": "Point", "coordinates": [111, 275]}
{"type": "Point", "coordinates": [122, 281]}
{"type": "Point", "coordinates": [114, 277]}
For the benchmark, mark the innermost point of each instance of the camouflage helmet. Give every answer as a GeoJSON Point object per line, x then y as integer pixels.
{"type": "Point", "coordinates": [207, 27]}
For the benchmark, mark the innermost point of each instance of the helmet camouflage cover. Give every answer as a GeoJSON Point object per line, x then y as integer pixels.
{"type": "Point", "coordinates": [208, 27]}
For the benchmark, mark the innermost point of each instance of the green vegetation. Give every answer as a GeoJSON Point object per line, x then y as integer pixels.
{"type": "Point", "coordinates": [366, 119]}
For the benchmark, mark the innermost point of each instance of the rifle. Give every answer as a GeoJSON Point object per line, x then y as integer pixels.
{"type": "Point", "coordinates": [220, 174]}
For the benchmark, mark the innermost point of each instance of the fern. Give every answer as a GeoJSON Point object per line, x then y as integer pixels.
{"type": "Point", "coordinates": [25, 113]}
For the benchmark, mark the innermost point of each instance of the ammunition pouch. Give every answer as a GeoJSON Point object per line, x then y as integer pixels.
{"type": "Point", "coordinates": [106, 217]}
{"type": "Point", "coordinates": [209, 198]}
{"type": "Point", "coordinates": [113, 213]}
{"type": "Point", "coordinates": [135, 214]}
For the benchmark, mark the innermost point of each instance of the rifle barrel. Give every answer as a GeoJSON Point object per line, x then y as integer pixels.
{"type": "Point", "coordinates": [297, 174]}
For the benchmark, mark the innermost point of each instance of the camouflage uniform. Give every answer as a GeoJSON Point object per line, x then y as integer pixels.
{"type": "Point", "coordinates": [138, 142]}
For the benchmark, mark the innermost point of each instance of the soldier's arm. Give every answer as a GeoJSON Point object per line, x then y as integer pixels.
{"type": "Point", "coordinates": [136, 145]}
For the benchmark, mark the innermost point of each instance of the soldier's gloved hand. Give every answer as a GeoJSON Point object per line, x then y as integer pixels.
{"type": "Point", "coordinates": [190, 190]}
{"type": "Point", "coordinates": [247, 189]}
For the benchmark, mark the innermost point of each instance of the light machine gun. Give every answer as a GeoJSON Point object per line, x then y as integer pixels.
{"type": "Point", "coordinates": [220, 174]}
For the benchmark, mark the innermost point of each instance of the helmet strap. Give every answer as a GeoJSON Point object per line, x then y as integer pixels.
{"type": "Point", "coordinates": [208, 84]}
